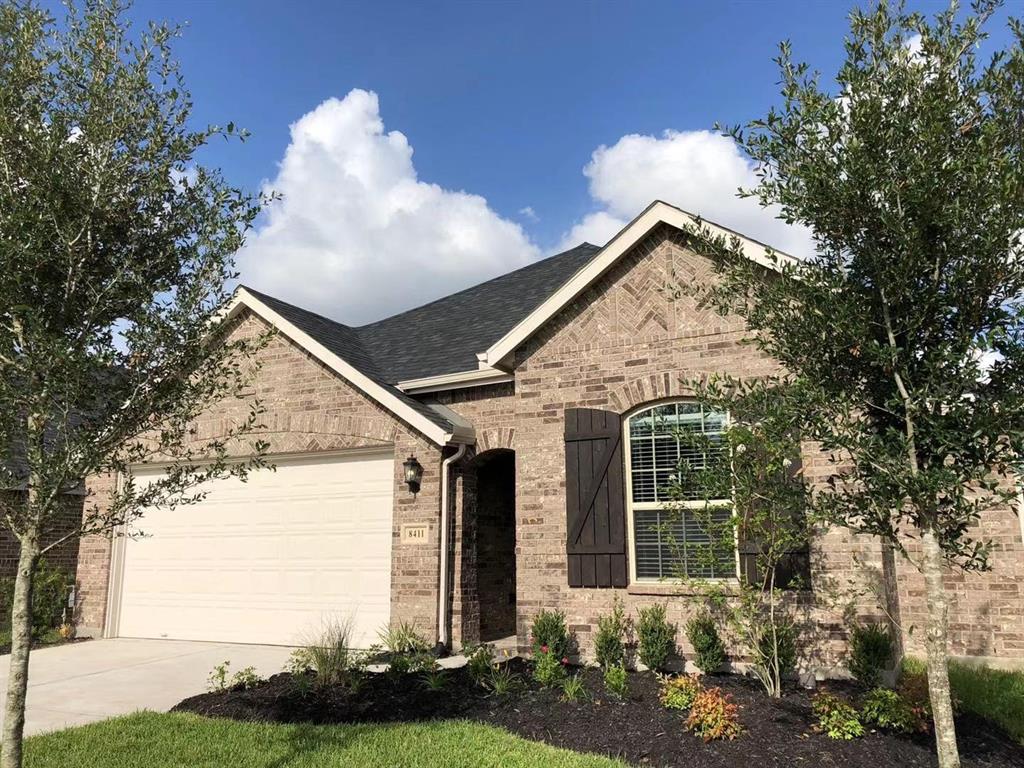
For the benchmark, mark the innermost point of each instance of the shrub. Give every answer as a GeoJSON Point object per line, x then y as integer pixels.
{"type": "Point", "coordinates": [422, 661]}
{"type": "Point", "coordinates": [708, 649]}
{"type": "Point", "coordinates": [870, 653]}
{"type": "Point", "coordinates": [609, 642]}
{"type": "Point", "coordinates": [714, 716]}
{"type": "Point", "coordinates": [479, 662]}
{"type": "Point", "coordinates": [656, 637]}
{"type": "Point", "coordinates": [244, 679]}
{"type": "Point", "coordinates": [299, 663]}
{"type": "Point", "coordinates": [400, 665]}
{"type": "Point", "coordinates": [679, 692]}
{"type": "Point", "coordinates": [329, 656]}
{"type": "Point", "coordinates": [49, 598]}
{"type": "Point", "coordinates": [502, 681]}
{"type": "Point", "coordinates": [887, 709]}
{"type": "Point", "coordinates": [573, 689]}
{"type": "Point", "coordinates": [549, 631]}
{"type": "Point", "coordinates": [548, 670]}
{"type": "Point", "coordinates": [912, 686]}
{"type": "Point", "coordinates": [217, 682]}
{"type": "Point", "coordinates": [616, 680]}
{"type": "Point", "coordinates": [779, 648]}
{"type": "Point", "coordinates": [435, 679]}
{"type": "Point", "coordinates": [402, 638]}
{"type": "Point", "coordinates": [836, 718]}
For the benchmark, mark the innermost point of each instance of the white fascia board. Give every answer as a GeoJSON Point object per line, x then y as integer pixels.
{"type": "Point", "coordinates": [355, 377]}
{"type": "Point", "coordinates": [656, 213]}
{"type": "Point", "coordinates": [460, 380]}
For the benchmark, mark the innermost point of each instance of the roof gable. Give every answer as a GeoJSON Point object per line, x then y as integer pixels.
{"type": "Point", "coordinates": [498, 354]}
{"type": "Point", "coordinates": [334, 345]}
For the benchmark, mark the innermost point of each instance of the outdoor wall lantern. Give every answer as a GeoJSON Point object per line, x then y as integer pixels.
{"type": "Point", "coordinates": [413, 473]}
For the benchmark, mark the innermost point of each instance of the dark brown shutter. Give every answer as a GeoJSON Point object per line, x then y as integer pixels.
{"type": "Point", "coordinates": [793, 570]}
{"type": "Point", "coordinates": [595, 499]}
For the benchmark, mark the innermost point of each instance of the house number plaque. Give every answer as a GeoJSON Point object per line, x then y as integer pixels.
{"type": "Point", "coordinates": [414, 534]}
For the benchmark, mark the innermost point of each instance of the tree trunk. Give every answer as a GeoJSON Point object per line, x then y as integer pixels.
{"type": "Point", "coordinates": [938, 669]}
{"type": "Point", "coordinates": [891, 598]}
{"type": "Point", "coordinates": [21, 642]}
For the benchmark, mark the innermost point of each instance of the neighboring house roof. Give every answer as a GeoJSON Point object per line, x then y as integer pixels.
{"type": "Point", "coordinates": [468, 337]}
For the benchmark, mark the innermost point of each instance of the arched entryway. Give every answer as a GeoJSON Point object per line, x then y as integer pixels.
{"type": "Point", "coordinates": [496, 543]}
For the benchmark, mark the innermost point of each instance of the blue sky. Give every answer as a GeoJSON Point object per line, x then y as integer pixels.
{"type": "Point", "coordinates": [505, 101]}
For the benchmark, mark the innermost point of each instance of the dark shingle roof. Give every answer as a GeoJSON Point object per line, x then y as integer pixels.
{"type": "Point", "coordinates": [446, 335]}
{"type": "Point", "coordinates": [443, 336]}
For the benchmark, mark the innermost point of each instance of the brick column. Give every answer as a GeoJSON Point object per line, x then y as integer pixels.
{"type": "Point", "coordinates": [465, 626]}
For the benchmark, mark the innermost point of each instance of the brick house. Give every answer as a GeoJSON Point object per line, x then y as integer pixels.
{"type": "Point", "coordinates": [490, 393]}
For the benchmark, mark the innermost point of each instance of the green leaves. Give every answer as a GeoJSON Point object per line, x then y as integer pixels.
{"type": "Point", "coordinates": [116, 259]}
{"type": "Point", "coordinates": [902, 336]}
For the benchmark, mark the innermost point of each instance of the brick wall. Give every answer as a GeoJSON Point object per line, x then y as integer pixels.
{"type": "Point", "coordinates": [986, 610]}
{"type": "Point", "coordinates": [63, 555]}
{"type": "Point", "coordinates": [622, 344]}
{"type": "Point", "coordinates": [311, 409]}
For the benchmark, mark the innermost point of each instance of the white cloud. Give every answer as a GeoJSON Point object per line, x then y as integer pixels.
{"type": "Point", "coordinates": [699, 171]}
{"type": "Point", "coordinates": [914, 46]}
{"type": "Point", "coordinates": [596, 228]}
{"type": "Point", "coordinates": [357, 236]}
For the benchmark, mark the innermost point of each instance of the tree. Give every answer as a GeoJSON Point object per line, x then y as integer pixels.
{"type": "Point", "coordinates": [903, 334]}
{"type": "Point", "coordinates": [116, 253]}
{"type": "Point", "coordinates": [755, 462]}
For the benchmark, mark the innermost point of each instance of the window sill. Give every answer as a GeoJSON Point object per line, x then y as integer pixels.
{"type": "Point", "coordinates": [668, 589]}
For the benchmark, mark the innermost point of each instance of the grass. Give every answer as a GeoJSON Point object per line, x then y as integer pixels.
{"type": "Point", "coordinates": [173, 740]}
{"type": "Point", "coordinates": [994, 694]}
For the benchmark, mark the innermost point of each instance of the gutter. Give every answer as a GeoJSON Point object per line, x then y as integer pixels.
{"type": "Point", "coordinates": [443, 641]}
{"type": "Point", "coordinates": [450, 381]}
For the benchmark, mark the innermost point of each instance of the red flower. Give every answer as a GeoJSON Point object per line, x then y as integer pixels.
{"type": "Point", "coordinates": [543, 649]}
{"type": "Point", "coordinates": [565, 659]}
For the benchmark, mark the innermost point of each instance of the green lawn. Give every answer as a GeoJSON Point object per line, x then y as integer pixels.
{"type": "Point", "coordinates": [174, 740]}
{"type": "Point", "coordinates": [991, 693]}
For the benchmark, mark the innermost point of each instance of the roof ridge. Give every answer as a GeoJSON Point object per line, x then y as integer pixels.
{"type": "Point", "coordinates": [502, 276]}
{"type": "Point", "coordinates": [261, 294]}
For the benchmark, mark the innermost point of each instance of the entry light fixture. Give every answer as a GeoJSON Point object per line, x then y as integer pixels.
{"type": "Point", "coordinates": [413, 473]}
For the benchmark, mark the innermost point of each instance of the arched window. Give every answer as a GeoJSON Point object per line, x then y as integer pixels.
{"type": "Point", "coordinates": [672, 541]}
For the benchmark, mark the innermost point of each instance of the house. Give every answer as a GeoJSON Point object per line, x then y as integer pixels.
{"type": "Point", "coordinates": [520, 409]}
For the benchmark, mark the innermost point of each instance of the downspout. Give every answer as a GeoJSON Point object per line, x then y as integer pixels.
{"type": "Point", "coordinates": [442, 596]}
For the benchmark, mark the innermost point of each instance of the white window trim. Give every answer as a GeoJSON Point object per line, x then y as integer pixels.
{"type": "Point", "coordinates": [660, 505]}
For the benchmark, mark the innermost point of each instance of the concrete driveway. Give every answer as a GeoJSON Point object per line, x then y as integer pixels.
{"type": "Point", "coordinates": [96, 679]}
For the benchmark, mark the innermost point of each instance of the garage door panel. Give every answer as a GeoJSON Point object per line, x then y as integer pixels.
{"type": "Point", "coordinates": [269, 560]}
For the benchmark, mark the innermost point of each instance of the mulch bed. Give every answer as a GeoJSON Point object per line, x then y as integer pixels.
{"type": "Point", "coordinates": [639, 730]}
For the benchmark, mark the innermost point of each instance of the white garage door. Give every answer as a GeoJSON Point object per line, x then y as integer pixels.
{"type": "Point", "coordinates": [269, 560]}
